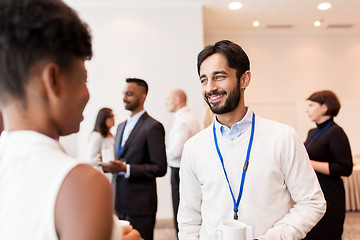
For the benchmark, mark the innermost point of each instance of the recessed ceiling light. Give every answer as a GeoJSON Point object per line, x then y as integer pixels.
{"type": "Point", "coordinates": [324, 6]}
{"type": "Point", "coordinates": [256, 23]}
{"type": "Point", "coordinates": [235, 5]}
{"type": "Point", "coordinates": [317, 23]}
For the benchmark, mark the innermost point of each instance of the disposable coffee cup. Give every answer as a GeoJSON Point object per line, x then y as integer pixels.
{"type": "Point", "coordinates": [231, 230]}
{"type": "Point", "coordinates": [123, 223]}
{"type": "Point", "coordinates": [117, 228]}
{"type": "Point", "coordinates": [107, 155]}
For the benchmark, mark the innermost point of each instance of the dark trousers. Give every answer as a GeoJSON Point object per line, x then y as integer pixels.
{"type": "Point", "coordinates": [175, 181]}
{"type": "Point", "coordinates": [144, 224]}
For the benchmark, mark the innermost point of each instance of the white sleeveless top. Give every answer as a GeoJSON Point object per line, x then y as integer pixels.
{"type": "Point", "coordinates": [32, 169]}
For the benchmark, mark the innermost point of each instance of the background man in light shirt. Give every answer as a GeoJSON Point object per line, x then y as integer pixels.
{"type": "Point", "coordinates": [185, 126]}
{"type": "Point", "coordinates": [237, 145]}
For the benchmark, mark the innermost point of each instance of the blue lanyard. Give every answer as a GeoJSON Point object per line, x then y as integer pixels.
{"type": "Point", "coordinates": [319, 133]}
{"type": "Point", "coordinates": [121, 138]}
{"type": "Point", "coordinates": [246, 163]}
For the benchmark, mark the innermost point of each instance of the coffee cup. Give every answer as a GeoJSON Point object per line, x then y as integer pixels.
{"type": "Point", "coordinates": [107, 154]}
{"type": "Point", "coordinates": [123, 223]}
{"type": "Point", "coordinates": [231, 230]}
{"type": "Point", "coordinates": [117, 228]}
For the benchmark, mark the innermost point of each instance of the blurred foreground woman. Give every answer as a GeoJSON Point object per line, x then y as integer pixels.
{"type": "Point", "coordinates": [44, 193]}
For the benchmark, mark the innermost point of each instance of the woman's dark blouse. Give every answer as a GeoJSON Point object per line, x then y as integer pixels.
{"type": "Point", "coordinates": [331, 146]}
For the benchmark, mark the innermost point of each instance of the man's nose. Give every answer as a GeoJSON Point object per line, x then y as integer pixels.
{"type": "Point", "coordinates": [211, 85]}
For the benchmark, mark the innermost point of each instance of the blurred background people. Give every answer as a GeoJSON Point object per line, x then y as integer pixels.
{"type": "Point", "coordinates": [185, 126]}
{"type": "Point", "coordinates": [330, 155]}
{"type": "Point", "coordinates": [141, 158]}
{"type": "Point", "coordinates": [101, 138]}
{"type": "Point", "coordinates": [207, 117]}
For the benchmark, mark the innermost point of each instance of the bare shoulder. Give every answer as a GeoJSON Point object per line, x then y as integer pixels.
{"type": "Point", "coordinates": [83, 207]}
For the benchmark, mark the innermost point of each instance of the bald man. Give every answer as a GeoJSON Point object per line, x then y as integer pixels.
{"type": "Point", "coordinates": [184, 127]}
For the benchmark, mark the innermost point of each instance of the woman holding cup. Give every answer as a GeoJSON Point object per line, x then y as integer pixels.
{"type": "Point", "coordinates": [101, 140]}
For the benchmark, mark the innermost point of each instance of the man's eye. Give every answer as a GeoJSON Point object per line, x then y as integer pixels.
{"type": "Point", "coordinates": [220, 77]}
{"type": "Point", "coordinates": [203, 80]}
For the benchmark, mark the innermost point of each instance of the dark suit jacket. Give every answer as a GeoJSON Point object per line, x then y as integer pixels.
{"type": "Point", "coordinates": [145, 152]}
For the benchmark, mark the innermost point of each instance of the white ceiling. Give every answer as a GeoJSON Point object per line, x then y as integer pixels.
{"type": "Point", "coordinates": [272, 14]}
{"type": "Point", "coordinates": [275, 14]}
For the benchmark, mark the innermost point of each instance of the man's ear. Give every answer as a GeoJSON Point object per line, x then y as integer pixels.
{"type": "Point", "coordinates": [51, 78]}
{"type": "Point", "coordinates": [245, 81]}
{"type": "Point", "coordinates": [177, 100]}
{"type": "Point", "coordinates": [143, 97]}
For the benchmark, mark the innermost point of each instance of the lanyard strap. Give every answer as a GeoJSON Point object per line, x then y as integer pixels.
{"type": "Point", "coordinates": [121, 139]}
{"type": "Point", "coordinates": [317, 135]}
{"type": "Point", "coordinates": [246, 163]}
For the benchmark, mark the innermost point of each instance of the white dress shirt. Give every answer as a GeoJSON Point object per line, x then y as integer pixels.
{"type": "Point", "coordinates": [184, 127]}
{"type": "Point", "coordinates": [130, 124]}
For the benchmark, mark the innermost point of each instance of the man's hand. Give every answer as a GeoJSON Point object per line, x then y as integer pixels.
{"type": "Point", "coordinates": [116, 166]}
{"type": "Point", "coordinates": [128, 233]}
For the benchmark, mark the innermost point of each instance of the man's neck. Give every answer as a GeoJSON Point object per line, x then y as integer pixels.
{"type": "Point", "coordinates": [180, 107]}
{"type": "Point", "coordinates": [230, 118]}
{"type": "Point", "coordinates": [136, 111]}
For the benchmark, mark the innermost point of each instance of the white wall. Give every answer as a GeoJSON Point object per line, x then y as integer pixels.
{"type": "Point", "coordinates": [158, 43]}
{"type": "Point", "coordinates": [287, 66]}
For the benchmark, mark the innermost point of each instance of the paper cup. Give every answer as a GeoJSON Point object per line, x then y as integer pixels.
{"type": "Point", "coordinates": [123, 223]}
{"type": "Point", "coordinates": [117, 228]}
{"type": "Point", "coordinates": [107, 155]}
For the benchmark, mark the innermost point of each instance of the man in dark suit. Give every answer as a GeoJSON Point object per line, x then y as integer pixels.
{"type": "Point", "coordinates": [141, 157]}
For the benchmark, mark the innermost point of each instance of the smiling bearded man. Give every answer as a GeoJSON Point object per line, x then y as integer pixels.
{"type": "Point", "coordinates": [269, 154]}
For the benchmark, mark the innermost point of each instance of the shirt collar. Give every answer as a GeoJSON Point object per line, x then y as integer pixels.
{"type": "Point", "coordinates": [322, 125]}
{"type": "Point", "coordinates": [136, 117]}
{"type": "Point", "coordinates": [237, 128]}
{"type": "Point", "coordinates": [180, 111]}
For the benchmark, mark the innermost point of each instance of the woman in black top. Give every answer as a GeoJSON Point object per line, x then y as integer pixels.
{"type": "Point", "coordinates": [330, 155]}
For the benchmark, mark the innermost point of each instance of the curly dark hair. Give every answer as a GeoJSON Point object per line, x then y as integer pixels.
{"type": "Point", "coordinates": [35, 30]}
{"type": "Point", "coordinates": [235, 56]}
{"type": "Point", "coordinates": [100, 123]}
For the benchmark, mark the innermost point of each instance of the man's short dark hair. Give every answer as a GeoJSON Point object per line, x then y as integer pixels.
{"type": "Point", "coordinates": [235, 55]}
{"type": "Point", "coordinates": [35, 30]}
{"type": "Point", "coordinates": [329, 99]}
{"type": "Point", "coordinates": [140, 83]}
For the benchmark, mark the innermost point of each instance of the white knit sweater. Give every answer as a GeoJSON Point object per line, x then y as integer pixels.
{"type": "Point", "coordinates": [279, 169]}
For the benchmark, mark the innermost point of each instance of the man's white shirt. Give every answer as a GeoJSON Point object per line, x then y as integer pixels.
{"type": "Point", "coordinates": [184, 127]}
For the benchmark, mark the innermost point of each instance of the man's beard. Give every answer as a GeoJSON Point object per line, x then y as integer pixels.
{"type": "Point", "coordinates": [232, 101]}
{"type": "Point", "coordinates": [131, 107]}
